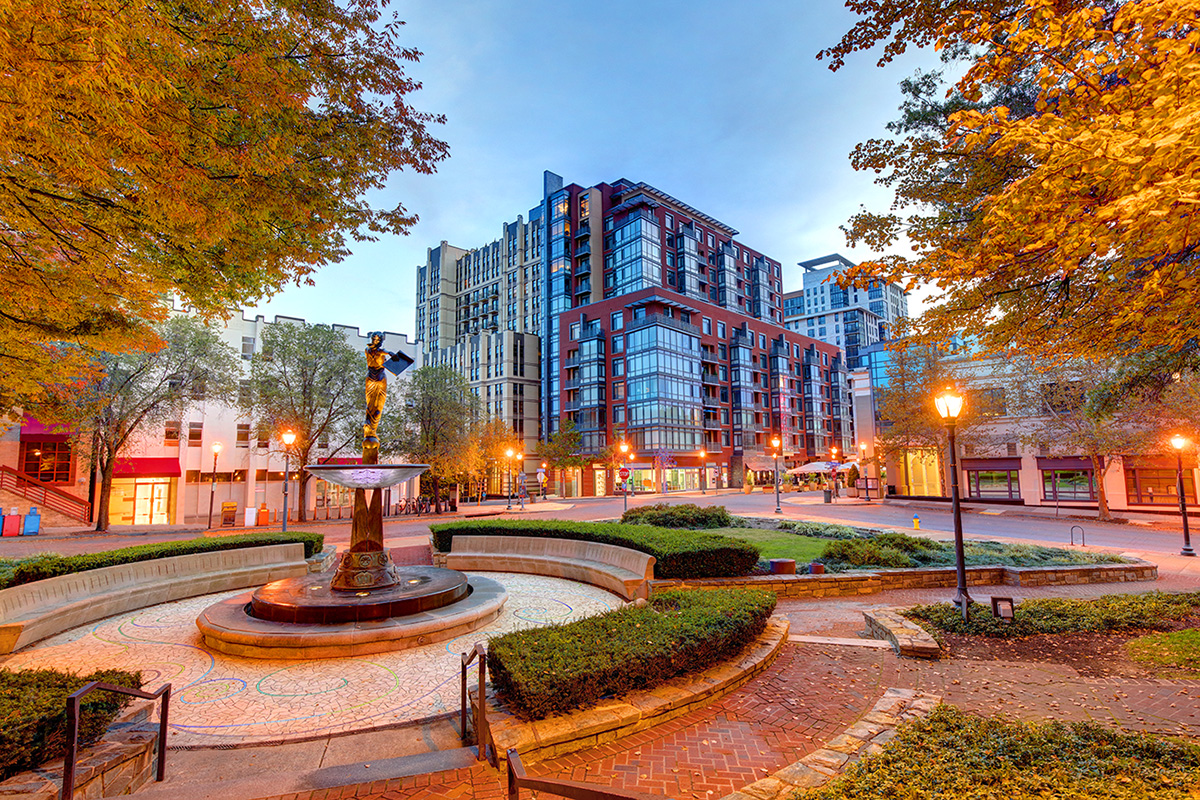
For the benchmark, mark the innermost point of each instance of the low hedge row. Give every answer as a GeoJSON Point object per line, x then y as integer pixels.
{"type": "Point", "coordinates": [683, 515]}
{"type": "Point", "coordinates": [33, 707]}
{"type": "Point", "coordinates": [953, 755]}
{"type": "Point", "coordinates": [50, 565]}
{"type": "Point", "coordinates": [559, 669]}
{"type": "Point", "coordinates": [899, 550]}
{"type": "Point", "coordinates": [678, 554]}
{"type": "Point", "coordinates": [1112, 612]}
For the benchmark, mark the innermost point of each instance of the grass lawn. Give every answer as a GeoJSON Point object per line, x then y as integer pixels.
{"type": "Point", "coordinates": [778, 544]}
{"type": "Point", "coordinates": [1176, 654]}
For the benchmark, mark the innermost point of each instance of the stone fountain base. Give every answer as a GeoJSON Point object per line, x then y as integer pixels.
{"type": "Point", "coordinates": [230, 627]}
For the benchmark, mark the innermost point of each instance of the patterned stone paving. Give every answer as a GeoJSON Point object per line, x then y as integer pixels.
{"type": "Point", "coordinates": [220, 699]}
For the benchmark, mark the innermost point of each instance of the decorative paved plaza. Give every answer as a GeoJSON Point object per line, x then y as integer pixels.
{"type": "Point", "coordinates": [220, 699]}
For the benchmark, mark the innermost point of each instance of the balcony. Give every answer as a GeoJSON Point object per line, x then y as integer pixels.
{"type": "Point", "coordinates": [710, 402]}
{"type": "Point", "coordinates": [708, 357]}
{"type": "Point", "coordinates": [665, 321]}
{"type": "Point", "coordinates": [712, 424]}
{"type": "Point", "coordinates": [711, 379]}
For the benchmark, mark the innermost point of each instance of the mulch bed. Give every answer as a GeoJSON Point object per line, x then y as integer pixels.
{"type": "Point", "coordinates": [1093, 655]}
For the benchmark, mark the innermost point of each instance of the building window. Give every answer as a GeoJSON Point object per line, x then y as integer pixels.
{"type": "Point", "coordinates": [1011, 448]}
{"type": "Point", "coordinates": [618, 344]}
{"type": "Point", "coordinates": [195, 434]}
{"type": "Point", "coordinates": [720, 329]}
{"type": "Point", "coordinates": [996, 484]}
{"type": "Point", "coordinates": [264, 440]}
{"type": "Point", "coordinates": [1068, 485]}
{"type": "Point", "coordinates": [619, 390]}
{"type": "Point", "coordinates": [574, 334]}
{"type": "Point", "coordinates": [244, 395]}
{"type": "Point", "coordinates": [1157, 486]}
{"type": "Point", "coordinates": [243, 434]}
{"type": "Point", "coordinates": [618, 321]}
{"type": "Point", "coordinates": [247, 347]}
{"type": "Point", "coordinates": [48, 462]}
{"type": "Point", "coordinates": [706, 325]}
{"type": "Point", "coordinates": [171, 434]}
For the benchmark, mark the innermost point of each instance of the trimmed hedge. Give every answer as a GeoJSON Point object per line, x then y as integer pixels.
{"type": "Point", "coordinates": [953, 755]}
{"type": "Point", "coordinates": [678, 554]}
{"type": "Point", "coordinates": [33, 706]}
{"type": "Point", "coordinates": [559, 669]}
{"type": "Point", "coordinates": [37, 568]}
{"type": "Point", "coordinates": [899, 550]}
{"type": "Point", "coordinates": [822, 530]}
{"type": "Point", "coordinates": [1112, 612]}
{"type": "Point", "coordinates": [684, 515]}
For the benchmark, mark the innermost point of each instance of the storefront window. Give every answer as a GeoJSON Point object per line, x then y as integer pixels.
{"type": "Point", "coordinates": [995, 484]}
{"type": "Point", "coordinates": [1069, 485]}
{"type": "Point", "coordinates": [1151, 486]}
{"type": "Point", "coordinates": [49, 462]}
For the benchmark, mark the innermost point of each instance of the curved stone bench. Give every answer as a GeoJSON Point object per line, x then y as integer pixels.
{"type": "Point", "coordinates": [33, 611]}
{"type": "Point", "coordinates": [619, 569]}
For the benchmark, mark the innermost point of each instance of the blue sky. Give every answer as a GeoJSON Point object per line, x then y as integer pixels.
{"type": "Point", "coordinates": [722, 105]}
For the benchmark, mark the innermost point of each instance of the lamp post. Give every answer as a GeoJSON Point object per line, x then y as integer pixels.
{"type": "Point", "coordinates": [216, 448]}
{"type": "Point", "coordinates": [833, 470]}
{"type": "Point", "coordinates": [703, 469]}
{"type": "Point", "coordinates": [289, 439]}
{"type": "Point", "coordinates": [544, 479]}
{"type": "Point", "coordinates": [509, 453]}
{"type": "Point", "coordinates": [1178, 443]}
{"type": "Point", "coordinates": [776, 443]}
{"type": "Point", "coordinates": [949, 406]}
{"type": "Point", "coordinates": [862, 460]}
{"type": "Point", "coordinates": [624, 456]}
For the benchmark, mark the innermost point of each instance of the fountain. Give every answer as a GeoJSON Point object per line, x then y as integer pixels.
{"type": "Point", "coordinates": [369, 605]}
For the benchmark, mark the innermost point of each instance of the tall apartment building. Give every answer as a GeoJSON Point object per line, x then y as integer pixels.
{"type": "Point", "coordinates": [848, 318]}
{"type": "Point", "coordinates": [642, 319]}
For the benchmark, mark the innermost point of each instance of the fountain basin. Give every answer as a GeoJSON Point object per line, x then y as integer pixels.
{"type": "Point", "coordinates": [228, 627]}
{"type": "Point", "coordinates": [308, 599]}
{"type": "Point", "coordinates": [366, 476]}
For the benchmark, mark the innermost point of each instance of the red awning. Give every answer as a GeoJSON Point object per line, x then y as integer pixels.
{"type": "Point", "coordinates": [147, 468]}
{"type": "Point", "coordinates": [34, 430]}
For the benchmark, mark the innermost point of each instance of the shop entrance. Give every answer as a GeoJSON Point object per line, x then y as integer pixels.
{"type": "Point", "coordinates": [152, 501]}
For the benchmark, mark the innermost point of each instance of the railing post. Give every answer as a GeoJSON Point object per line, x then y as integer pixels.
{"type": "Point", "coordinates": [511, 778]}
{"type": "Point", "coordinates": [162, 734]}
{"type": "Point", "coordinates": [462, 709]}
{"type": "Point", "coordinates": [481, 716]}
{"type": "Point", "coordinates": [68, 778]}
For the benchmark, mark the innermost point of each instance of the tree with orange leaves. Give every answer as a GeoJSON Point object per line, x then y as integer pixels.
{"type": "Point", "coordinates": [214, 151]}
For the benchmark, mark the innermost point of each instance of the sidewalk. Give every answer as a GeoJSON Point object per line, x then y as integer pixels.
{"type": "Point", "coordinates": [1164, 521]}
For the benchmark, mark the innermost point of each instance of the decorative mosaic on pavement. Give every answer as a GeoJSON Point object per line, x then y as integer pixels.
{"type": "Point", "coordinates": [220, 699]}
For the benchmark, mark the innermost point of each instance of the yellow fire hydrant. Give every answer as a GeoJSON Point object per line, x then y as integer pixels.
{"type": "Point", "coordinates": [916, 523]}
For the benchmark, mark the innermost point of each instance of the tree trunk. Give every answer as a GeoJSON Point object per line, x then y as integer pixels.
{"type": "Point", "coordinates": [437, 495]}
{"type": "Point", "coordinates": [1101, 496]}
{"type": "Point", "coordinates": [301, 490]}
{"type": "Point", "coordinates": [106, 476]}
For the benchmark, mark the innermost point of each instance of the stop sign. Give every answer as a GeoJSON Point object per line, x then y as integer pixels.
{"type": "Point", "coordinates": [624, 473]}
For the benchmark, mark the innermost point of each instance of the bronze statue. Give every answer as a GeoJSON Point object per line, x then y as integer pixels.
{"type": "Point", "coordinates": [378, 360]}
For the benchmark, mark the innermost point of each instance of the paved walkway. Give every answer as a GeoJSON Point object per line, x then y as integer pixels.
{"type": "Point", "coordinates": [812, 692]}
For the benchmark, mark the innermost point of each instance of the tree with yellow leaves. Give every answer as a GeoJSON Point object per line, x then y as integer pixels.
{"type": "Point", "coordinates": [214, 151]}
{"type": "Point", "coordinates": [1075, 227]}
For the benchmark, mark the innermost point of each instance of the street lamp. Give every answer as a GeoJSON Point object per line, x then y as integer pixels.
{"type": "Point", "coordinates": [216, 448]}
{"type": "Point", "coordinates": [862, 462]}
{"type": "Point", "coordinates": [949, 406]}
{"type": "Point", "coordinates": [777, 443]}
{"type": "Point", "coordinates": [833, 470]}
{"type": "Point", "coordinates": [544, 477]}
{"type": "Point", "coordinates": [509, 453]}
{"type": "Point", "coordinates": [1178, 443]}
{"type": "Point", "coordinates": [703, 469]}
{"type": "Point", "coordinates": [624, 455]}
{"type": "Point", "coordinates": [289, 439]}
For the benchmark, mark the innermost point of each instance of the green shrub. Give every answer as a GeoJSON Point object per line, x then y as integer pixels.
{"type": "Point", "coordinates": [37, 568]}
{"type": "Point", "coordinates": [899, 550]}
{"type": "Point", "coordinates": [822, 530]}
{"type": "Point", "coordinates": [859, 553]}
{"type": "Point", "coordinates": [33, 707]}
{"type": "Point", "coordinates": [684, 515]}
{"type": "Point", "coordinates": [1112, 612]}
{"type": "Point", "coordinates": [678, 554]}
{"type": "Point", "coordinates": [554, 670]}
{"type": "Point", "coordinates": [952, 755]}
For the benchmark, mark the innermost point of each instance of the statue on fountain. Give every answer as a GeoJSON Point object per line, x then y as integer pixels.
{"type": "Point", "coordinates": [378, 360]}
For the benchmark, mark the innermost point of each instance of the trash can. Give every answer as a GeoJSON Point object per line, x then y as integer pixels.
{"type": "Point", "coordinates": [12, 523]}
{"type": "Point", "coordinates": [828, 495]}
{"type": "Point", "coordinates": [33, 522]}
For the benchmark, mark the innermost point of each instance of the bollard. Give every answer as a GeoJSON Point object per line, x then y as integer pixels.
{"type": "Point", "coordinates": [916, 523]}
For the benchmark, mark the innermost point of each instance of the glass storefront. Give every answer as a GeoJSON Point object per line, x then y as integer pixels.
{"type": "Point", "coordinates": [1069, 485]}
{"type": "Point", "coordinates": [996, 484]}
{"type": "Point", "coordinates": [1157, 486]}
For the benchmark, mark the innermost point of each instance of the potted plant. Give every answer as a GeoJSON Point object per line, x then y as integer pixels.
{"type": "Point", "coordinates": [852, 477]}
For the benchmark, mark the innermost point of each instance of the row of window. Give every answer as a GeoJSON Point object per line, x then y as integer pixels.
{"type": "Point", "coordinates": [1142, 486]}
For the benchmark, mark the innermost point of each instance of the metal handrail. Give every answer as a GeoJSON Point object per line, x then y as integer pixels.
{"type": "Point", "coordinates": [518, 780]}
{"type": "Point", "coordinates": [73, 700]}
{"type": "Point", "coordinates": [481, 727]}
{"type": "Point", "coordinates": [46, 496]}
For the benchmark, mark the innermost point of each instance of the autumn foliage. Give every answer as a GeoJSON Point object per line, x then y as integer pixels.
{"type": "Point", "coordinates": [215, 150]}
{"type": "Point", "coordinates": [1071, 225]}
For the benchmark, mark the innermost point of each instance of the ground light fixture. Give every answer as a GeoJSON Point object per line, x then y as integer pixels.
{"type": "Point", "coordinates": [216, 450]}
{"type": "Point", "coordinates": [1178, 442]}
{"type": "Point", "coordinates": [289, 439]}
{"type": "Point", "coordinates": [703, 469]}
{"type": "Point", "coordinates": [949, 405]}
{"type": "Point", "coordinates": [778, 445]}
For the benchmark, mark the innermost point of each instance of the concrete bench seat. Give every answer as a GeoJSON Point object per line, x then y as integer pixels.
{"type": "Point", "coordinates": [33, 611]}
{"type": "Point", "coordinates": [619, 569]}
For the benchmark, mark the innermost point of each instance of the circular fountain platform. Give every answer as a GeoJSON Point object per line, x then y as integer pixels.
{"type": "Point", "coordinates": [435, 608]}
{"type": "Point", "coordinates": [310, 600]}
